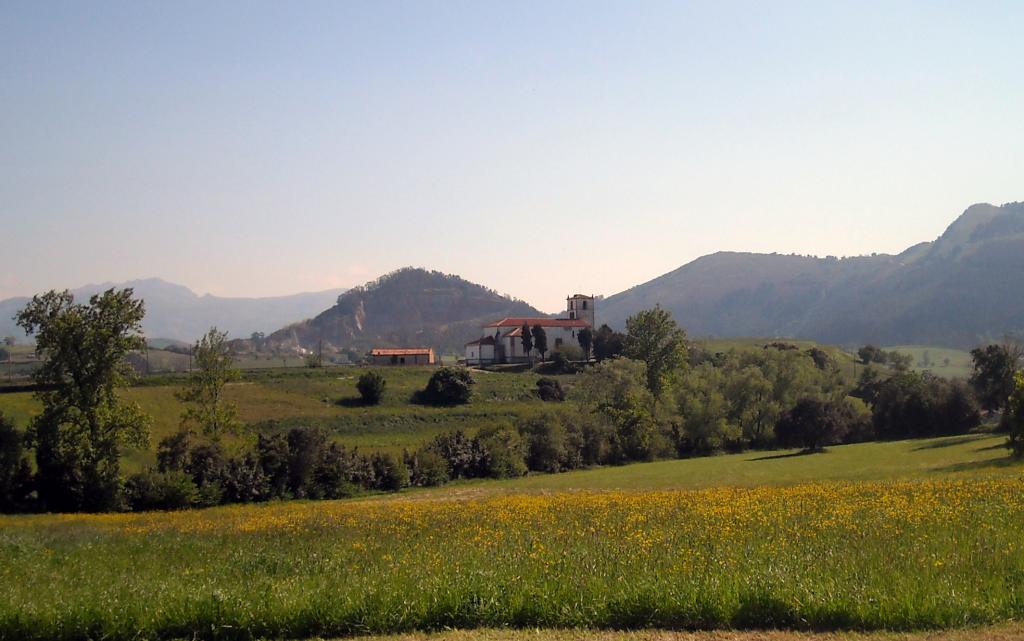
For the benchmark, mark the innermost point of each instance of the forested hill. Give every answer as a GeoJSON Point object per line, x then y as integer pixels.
{"type": "Point", "coordinates": [965, 287]}
{"type": "Point", "coordinates": [408, 308]}
{"type": "Point", "coordinates": [176, 312]}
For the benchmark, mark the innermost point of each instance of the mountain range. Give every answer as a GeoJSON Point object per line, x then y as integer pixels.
{"type": "Point", "coordinates": [963, 288]}
{"type": "Point", "coordinates": [176, 312]}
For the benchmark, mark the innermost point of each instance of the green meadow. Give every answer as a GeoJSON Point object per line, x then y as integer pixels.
{"type": "Point", "coordinates": [277, 399]}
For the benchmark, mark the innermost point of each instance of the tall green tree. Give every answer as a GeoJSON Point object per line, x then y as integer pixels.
{"type": "Point", "coordinates": [206, 407]}
{"type": "Point", "coordinates": [607, 343]}
{"type": "Point", "coordinates": [586, 340]}
{"type": "Point", "coordinates": [1013, 419]}
{"type": "Point", "coordinates": [653, 337]}
{"type": "Point", "coordinates": [527, 340]}
{"type": "Point", "coordinates": [16, 481]}
{"type": "Point", "coordinates": [540, 340]}
{"type": "Point", "coordinates": [84, 425]}
{"type": "Point", "coordinates": [993, 376]}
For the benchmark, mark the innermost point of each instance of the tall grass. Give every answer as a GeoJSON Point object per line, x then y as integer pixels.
{"type": "Point", "coordinates": [865, 556]}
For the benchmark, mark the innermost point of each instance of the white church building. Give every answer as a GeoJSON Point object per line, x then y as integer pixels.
{"type": "Point", "coordinates": [501, 341]}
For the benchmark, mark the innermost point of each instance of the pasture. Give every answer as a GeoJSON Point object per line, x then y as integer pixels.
{"type": "Point", "coordinates": [970, 456]}
{"type": "Point", "coordinates": [277, 399]}
{"type": "Point", "coordinates": [890, 555]}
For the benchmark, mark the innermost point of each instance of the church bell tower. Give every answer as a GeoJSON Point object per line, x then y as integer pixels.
{"type": "Point", "coordinates": [581, 307]}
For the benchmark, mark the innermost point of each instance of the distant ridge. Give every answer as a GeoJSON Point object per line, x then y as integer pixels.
{"type": "Point", "coordinates": [965, 287]}
{"type": "Point", "coordinates": [176, 312]}
{"type": "Point", "coordinates": [410, 307]}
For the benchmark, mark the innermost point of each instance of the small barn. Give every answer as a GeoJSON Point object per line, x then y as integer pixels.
{"type": "Point", "coordinates": [481, 351]}
{"type": "Point", "coordinates": [402, 356]}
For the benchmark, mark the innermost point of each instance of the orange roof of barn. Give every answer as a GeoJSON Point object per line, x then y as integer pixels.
{"type": "Point", "coordinates": [543, 322]}
{"type": "Point", "coordinates": [401, 351]}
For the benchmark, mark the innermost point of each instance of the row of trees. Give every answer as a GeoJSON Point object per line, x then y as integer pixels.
{"type": "Point", "coordinates": [873, 354]}
{"type": "Point", "coordinates": [196, 471]}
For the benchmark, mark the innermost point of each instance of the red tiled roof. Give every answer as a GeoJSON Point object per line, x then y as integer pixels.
{"type": "Point", "coordinates": [487, 340]}
{"type": "Point", "coordinates": [401, 351]}
{"type": "Point", "coordinates": [543, 322]}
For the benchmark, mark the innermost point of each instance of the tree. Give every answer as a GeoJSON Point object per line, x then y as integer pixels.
{"type": "Point", "coordinates": [586, 340]}
{"type": "Point", "coordinates": [913, 405]}
{"type": "Point", "coordinates": [371, 388]}
{"type": "Point", "coordinates": [1013, 419]}
{"type": "Point", "coordinates": [4, 354]}
{"type": "Point", "coordinates": [9, 341]}
{"type": "Point", "coordinates": [15, 472]}
{"type": "Point", "coordinates": [448, 386]}
{"type": "Point", "coordinates": [653, 337]}
{"type": "Point", "coordinates": [204, 391]}
{"type": "Point", "coordinates": [871, 354]}
{"type": "Point", "coordinates": [993, 376]}
{"type": "Point", "coordinates": [607, 343]}
{"type": "Point", "coordinates": [811, 424]}
{"type": "Point", "coordinates": [540, 340]}
{"type": "Point", "coordinates": [751, 404]}
{"type": "Point", "coordinates": [83, 426]}
{"type": "Point", "coordinates": [703, 424]}
{"type": "Point", "coordinates": [900, 362]}
{"type": "Point", "coordinates": [527, 339]}
{"type": "Point", "coordinates": [614, 392]}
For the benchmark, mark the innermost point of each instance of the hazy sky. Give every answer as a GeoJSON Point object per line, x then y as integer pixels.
{"type": "Point", "coordinates": [538, 148]}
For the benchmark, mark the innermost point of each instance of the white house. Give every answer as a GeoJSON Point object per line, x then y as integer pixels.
{"type": "Point", "coordinates": [501, 341]}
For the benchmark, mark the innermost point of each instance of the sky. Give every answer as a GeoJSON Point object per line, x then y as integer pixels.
{"type": "Point", "coordinates": [538, 148]}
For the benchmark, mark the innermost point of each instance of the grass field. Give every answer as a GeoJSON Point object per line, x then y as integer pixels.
{"type": "Point", "coordinates": [274, 399]}
{"type": "Point", "coordinates": [894, 555]}
{"type": "Point", "coordinates": [1012, 632]}
{"type": "Point", "coordinates": [977, 455]}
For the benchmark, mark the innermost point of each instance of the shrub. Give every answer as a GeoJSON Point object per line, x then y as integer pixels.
{"type": "Point", "coordinates": [152, 490]}
{"type": "Point", "coordinates": [503, 453]}
{"type": "Point", "coordinates": [390, 474]}
{"type": "Point", "coordinates": [244, 481]}
{"type": "Point", "coordinates": [564, 358]}
{"type": "Point", "coordinates": [461, 453]}
{"type": "Point", "coordinates": [272, 452]}
{"type": "Point", "coordinates": [206, 463]}
{"type": "Point", "coordinates": [172, 451]}
{"type": "Point", "coordinates": [549, 389]}
{"type": "Point", "coordinates": [371, 388]}
{"type": "Point", "coordinates": [448, 386]}
{"type": "Point", "coordinates": [305, 446]}
{"type": "Point", "coordinates": [339, 473]}
{"type": "Point", "coordinates": [547, 447]}
{"type": "Point", "coordinates": [427, 469]}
